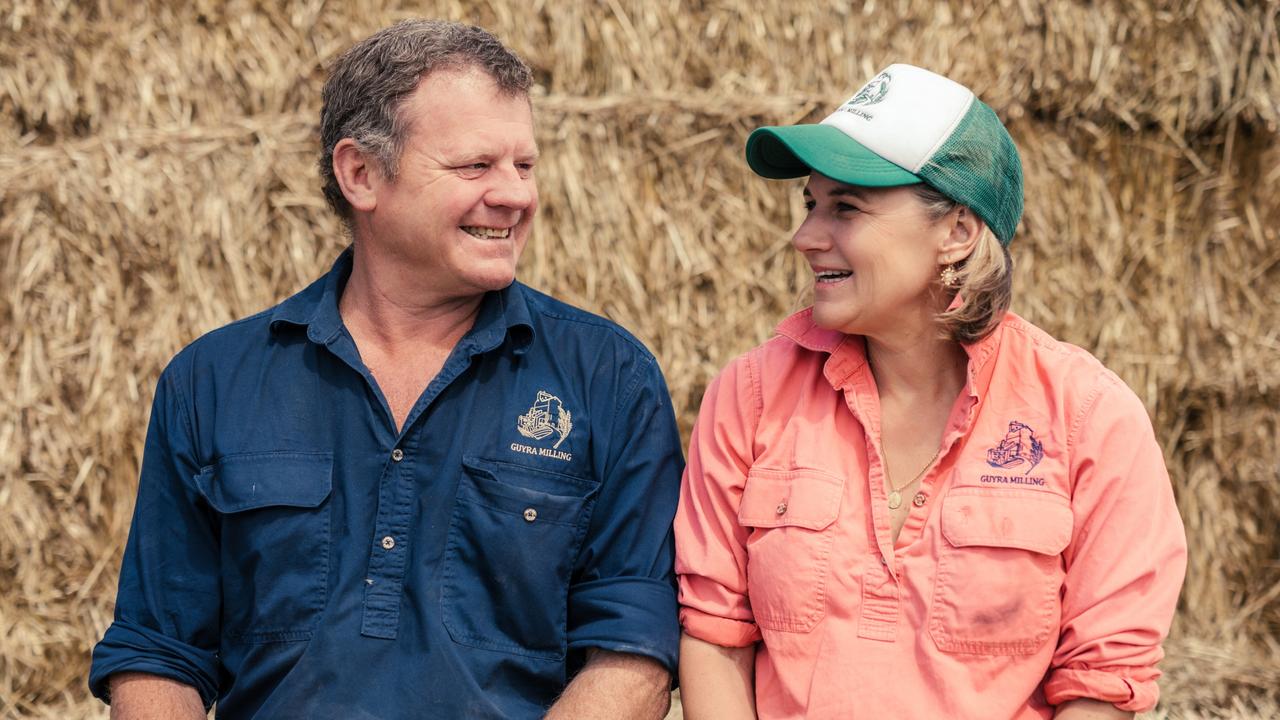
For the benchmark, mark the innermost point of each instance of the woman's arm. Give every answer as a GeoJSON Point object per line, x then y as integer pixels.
{"type": "Point", "coordinates": [717, 682]}
{"type": "Point", "coordinates": [1090, 710]}
{"type": "Point", "coordinates": [1125, 563]}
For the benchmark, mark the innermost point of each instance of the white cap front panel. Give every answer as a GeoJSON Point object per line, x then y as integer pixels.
{"type": "Point", "coordinates": [904, 114]}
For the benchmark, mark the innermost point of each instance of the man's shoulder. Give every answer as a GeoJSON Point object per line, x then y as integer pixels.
{"type": "Point", "coordinates": [230, 345]}
{"type": "Point", "coordinates": [562, 322]}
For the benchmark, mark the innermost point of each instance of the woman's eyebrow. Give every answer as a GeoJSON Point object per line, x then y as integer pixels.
{"type": "Point", "coordinates": [848, 190]}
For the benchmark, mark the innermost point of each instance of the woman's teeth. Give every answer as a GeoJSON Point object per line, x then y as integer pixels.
{"type": "Point", "coordinates": [486, 233]}
{"type": "Point", "coordinates": [831, 276]}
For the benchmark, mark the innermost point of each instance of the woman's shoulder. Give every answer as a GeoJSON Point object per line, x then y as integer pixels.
{"type": "Point", "coordinates": [1029, 354]}
{"type": "Point", "coordinates": [1026, 342]}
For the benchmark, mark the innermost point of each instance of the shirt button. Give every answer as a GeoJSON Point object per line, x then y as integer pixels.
{"type": "Point", "coordinates": [397, 454]}
{"type": "Point", "coordinates": [388, 542]}
{"type": "Point", "coordinates": [530, 514]}
{"type": "Point", "coordinates": [919, 499]}
{"type": "Point", "coordinates": [782, 508]}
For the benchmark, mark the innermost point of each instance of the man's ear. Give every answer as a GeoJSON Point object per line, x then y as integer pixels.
{"type": "Point", "coordinates": [965, 227]}
{"type": "Point", "coordinates": [355, 174]}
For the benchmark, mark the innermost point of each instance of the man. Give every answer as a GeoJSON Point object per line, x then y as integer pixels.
{"type": "Point", "coordinates": [416, 488]}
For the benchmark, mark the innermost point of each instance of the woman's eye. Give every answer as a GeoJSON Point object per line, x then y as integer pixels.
{"type": "Point", "coordinates": [845, 207]}
{"type": "Point", "coordinates": [809, 205]}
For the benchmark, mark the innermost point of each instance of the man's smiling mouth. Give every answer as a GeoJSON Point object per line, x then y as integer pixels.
{"type": "Point", "coordinates": [486, 233]}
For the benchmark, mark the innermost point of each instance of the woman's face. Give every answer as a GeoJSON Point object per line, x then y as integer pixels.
{"type": "Point", "coordinates": [874, 254]}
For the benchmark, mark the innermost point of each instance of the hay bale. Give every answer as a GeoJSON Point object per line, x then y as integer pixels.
{"type": "Point", "coordinates": [156, 181]}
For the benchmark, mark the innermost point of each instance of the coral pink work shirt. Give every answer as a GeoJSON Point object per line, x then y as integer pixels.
{"type": "Point", "coordinates": [1040, 562]}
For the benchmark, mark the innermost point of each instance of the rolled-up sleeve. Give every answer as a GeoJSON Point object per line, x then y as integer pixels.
{"type": "Point", "coordinates": [1126, 563]}
{"type": "Point", "coordinates": [167, 606]}
{"type": "Point", "coordinates": [623, 596]}
{"type": "Point", "coordinates": [711, 546]}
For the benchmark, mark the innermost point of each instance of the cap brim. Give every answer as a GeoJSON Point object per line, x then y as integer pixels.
{"type": "Point", "coordinates": [796, 150]}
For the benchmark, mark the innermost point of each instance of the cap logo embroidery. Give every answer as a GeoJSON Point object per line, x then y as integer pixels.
{"type": "Point", "coordinates": [873, 92]}
{"type": "Point", "coordinates": [1018, 446]}
{"type": "Point", "coordinates": [547, 416]}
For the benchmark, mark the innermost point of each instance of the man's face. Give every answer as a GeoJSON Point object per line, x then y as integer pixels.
{"type": "Point", "coordinates": [459, 213]}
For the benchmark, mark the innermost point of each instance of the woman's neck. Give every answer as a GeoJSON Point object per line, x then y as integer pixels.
{"type": "Point", "coordinates": [917, 365]}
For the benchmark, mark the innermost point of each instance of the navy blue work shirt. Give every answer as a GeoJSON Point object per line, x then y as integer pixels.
{"type": "Point", "coordinates": [293, 555]}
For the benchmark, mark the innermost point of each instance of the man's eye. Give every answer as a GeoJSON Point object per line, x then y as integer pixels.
{"type": "Point", "coordinates": [846, 207]}
{"type": "Point", "coordinates": [809, 205]}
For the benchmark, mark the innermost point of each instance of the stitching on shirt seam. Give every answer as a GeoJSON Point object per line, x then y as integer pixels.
{"type": "Point", "coordinates": [186, 413]}
{"type": "Point", "coordinates": [632, 387]}
{"type": "Point", "coordinates": [1087, 409]}
{"type": "Point", "coordinates": [757, 398]}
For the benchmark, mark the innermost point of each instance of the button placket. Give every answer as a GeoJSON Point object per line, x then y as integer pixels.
{"type": "Point", "coordinates": [389, 555]}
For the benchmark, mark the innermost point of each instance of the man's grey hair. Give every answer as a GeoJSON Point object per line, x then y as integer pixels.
{"type": "Point", "coordinates": [369, 83]}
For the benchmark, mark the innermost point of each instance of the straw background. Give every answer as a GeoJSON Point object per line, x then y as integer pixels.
{"type": "Point", "coordinates": [157, 180]}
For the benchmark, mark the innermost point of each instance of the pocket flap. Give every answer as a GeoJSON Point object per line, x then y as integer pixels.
{"type": "Point", "coordinates": [515, 490]}
{"type": "Point", "coordinates": [801, 498]}
{"type": "Point", "coordinates": [997, 517]}
{"type": "Point", "coordinates": [246, 482]}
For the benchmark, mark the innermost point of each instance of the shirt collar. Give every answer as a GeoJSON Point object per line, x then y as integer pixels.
{"type": "Point", "coordinates": [848, 353]}
{"type": "Point", "coordinates": [503, 312]}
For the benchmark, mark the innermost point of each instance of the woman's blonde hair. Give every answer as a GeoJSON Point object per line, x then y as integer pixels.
{"type": "Point", "coordinates": [984, 279]}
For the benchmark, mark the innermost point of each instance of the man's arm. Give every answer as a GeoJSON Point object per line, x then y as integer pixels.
{"type": "Point", "coordinates": [138, 696]}
{"type": "Point", "coordinates": [167, 611]}
{"type": "Point", "coordinates": [615, 685]}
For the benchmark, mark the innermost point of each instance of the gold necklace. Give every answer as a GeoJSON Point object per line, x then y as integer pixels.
{"type": "Point", "coordinates": [895, 495]}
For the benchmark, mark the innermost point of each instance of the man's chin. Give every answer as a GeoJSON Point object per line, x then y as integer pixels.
{"type": "Point", "coordinates": [489, 282]}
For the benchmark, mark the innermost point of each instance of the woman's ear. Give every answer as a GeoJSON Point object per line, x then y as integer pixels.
{"type": "Point", "coordinates": [355, 175]}
{"type": "Point", "coordinates": [965, 229]}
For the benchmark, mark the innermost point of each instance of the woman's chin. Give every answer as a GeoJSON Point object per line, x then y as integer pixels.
{"type": "Point", "coordinates": [839, 319]}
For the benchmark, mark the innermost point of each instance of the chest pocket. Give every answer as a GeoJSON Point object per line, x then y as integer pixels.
{"type": "Point", "coordinates": [274, 529]}
{"type": "Point", "coordinates": [513, 540]}
{"type": "Point", "coordinates": [791, 513]}
{"type": "Point", "coordinates": [999, 571]}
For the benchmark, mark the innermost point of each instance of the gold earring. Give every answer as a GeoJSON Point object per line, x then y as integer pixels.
{"type": "Point", "coordinates": [949, 277]}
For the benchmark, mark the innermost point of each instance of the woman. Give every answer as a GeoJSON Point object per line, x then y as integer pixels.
{"type": "Point", "coordinates": [910, 502]}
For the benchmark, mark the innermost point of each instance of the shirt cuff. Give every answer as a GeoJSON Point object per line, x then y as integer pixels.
{"type": "Point", "coordinates": [1106, 684]}
{"type": "Point", "coordinates": [721, 631]}
{"type": "Point", "coordinates": [629, 615]}
{"type": "Point", "coordinates": [129, 647]}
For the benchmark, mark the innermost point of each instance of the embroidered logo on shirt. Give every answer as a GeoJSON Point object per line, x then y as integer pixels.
{"type": "Point", "coordinates": [545, 418]}
{"type": "Point", "coordinates": [1019, 446]}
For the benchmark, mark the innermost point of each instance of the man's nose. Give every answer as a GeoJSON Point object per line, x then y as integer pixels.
{"type": "Point", "coordinates": [512, 188]}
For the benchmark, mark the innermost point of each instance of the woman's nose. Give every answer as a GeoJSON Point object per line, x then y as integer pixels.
{"type": "Point", "coordinates": [810, 237]}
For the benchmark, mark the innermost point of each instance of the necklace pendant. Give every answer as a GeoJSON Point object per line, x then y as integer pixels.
{"type": "Point", "coordinates": [895, 500]}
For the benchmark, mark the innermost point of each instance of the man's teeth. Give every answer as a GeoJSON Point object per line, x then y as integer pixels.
{"type": "Point", "coordinates": [486, 232]}
{"type": "Point", "coordinates": [832, 275]}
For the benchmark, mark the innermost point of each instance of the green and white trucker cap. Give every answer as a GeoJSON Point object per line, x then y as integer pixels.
{"type": "Point", "coordinates": [906, 126]}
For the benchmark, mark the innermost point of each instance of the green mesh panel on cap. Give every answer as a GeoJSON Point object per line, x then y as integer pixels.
{"type": "Point", "coordinates": [978, 166]}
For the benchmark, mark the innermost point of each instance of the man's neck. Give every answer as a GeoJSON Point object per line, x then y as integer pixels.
{"type": "Point", "coordinates": [402, 310]}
